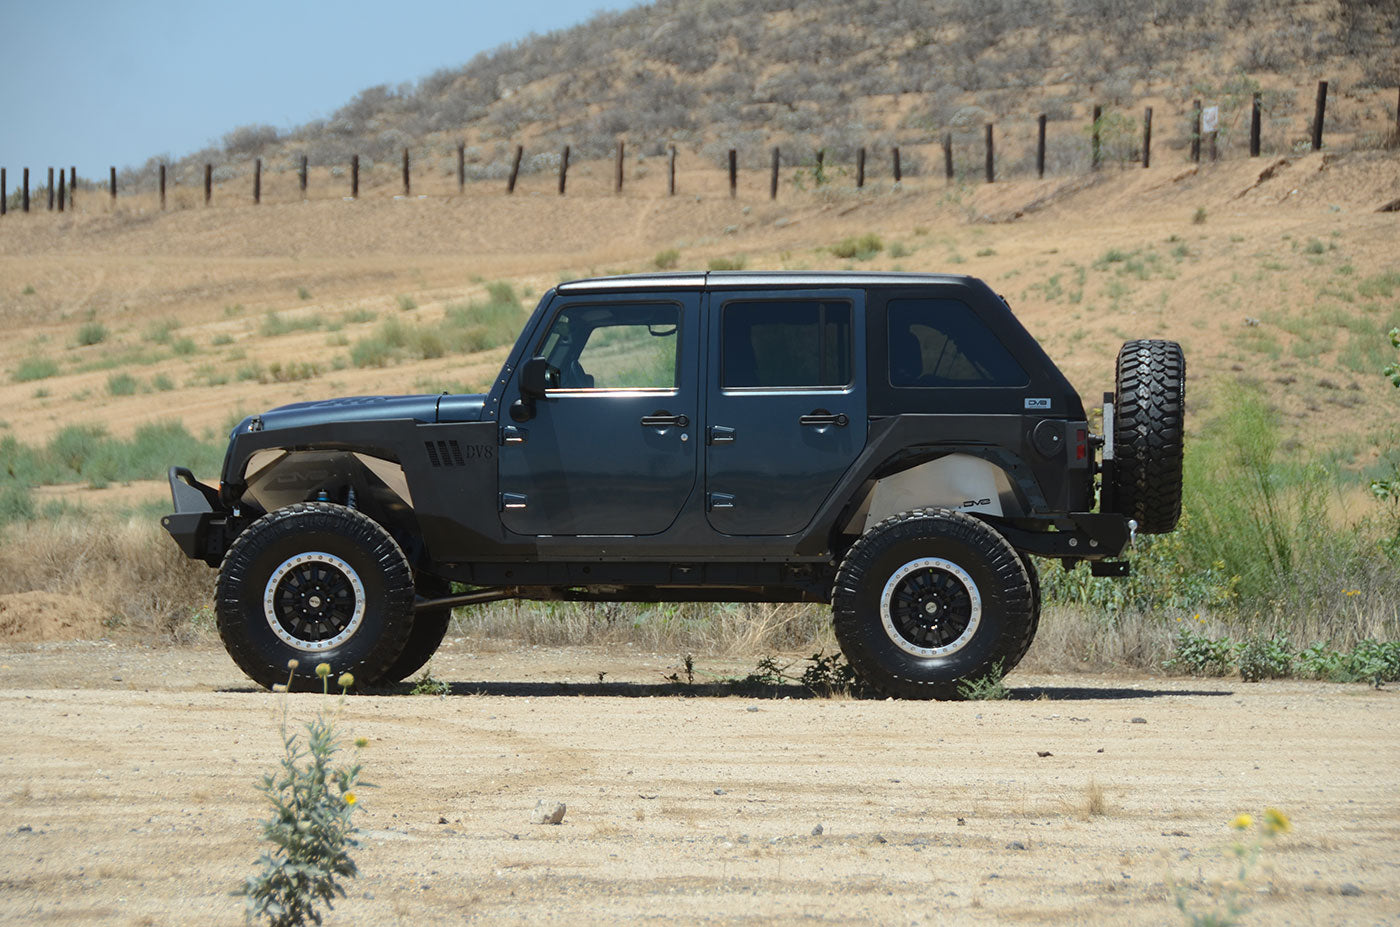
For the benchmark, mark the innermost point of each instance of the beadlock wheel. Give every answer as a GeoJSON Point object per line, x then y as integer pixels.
{"type": "Point", "coordinates": [930, 607]}
{"type": "Point", "coordinates": [314, 601]}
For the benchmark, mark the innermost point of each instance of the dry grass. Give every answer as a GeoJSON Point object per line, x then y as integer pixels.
{"type": "Point", "coordinates": [1095, 801]}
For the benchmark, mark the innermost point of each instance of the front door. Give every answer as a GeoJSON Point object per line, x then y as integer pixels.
{"type": "Point", "coordinates": [786, 412]}
{"type": "Point", "coordinates": [611, 449]}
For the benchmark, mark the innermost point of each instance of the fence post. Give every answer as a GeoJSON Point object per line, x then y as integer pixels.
{"type": "Point", "coordinates": [354, 177]}
{"type": "Point", "coordinates": [112, 182]}
{"type": "Point", "coordinates": [1040, 147]}
{"type": "Point", "coordinates": [1147, 138]}
{"type": "Point", "coordinates": [50, 189]}
{"type": "Point", "coordinates": [898, 174]}
{"type": "Point", "coordinates": [860, 168]}
{"type": "Point", "coordinates": [4, 192]}
{"type": "Point", "coordinates": [1196, 133]}
{"type": "Point", "coordinates": [1318, 114]}
{"type": "Point", "coordinates": [773, 180]}
{"type": "Point", "coordinates": [671, 177]}
{"type": "Point", "coordinates": [617, 180]}
{"type": "Point", "coordinates": [162, 186]}
{"type": "Point", "coordinates": [1214, 150]}
{"type": "Point", "coordinates": [72, 188]}
{"type": "Point", "coordinates": [24, 200]}
{"type": "Point", "coordinates": [991, 175]}
{"type": "Point", "coordinates": [208, 183]}
{"type": "Point", "coordinates": [461, 167]}
{"type": "Point", "coordinates": [515, 169]}
{"type": "Point", "coordinates": [1096, 153]}
{"type": "Point", "coordinates": [301, 178]}
{"type": "Point", "coordinates": [948, 156]}
{"type": "Point", "coordinates": [733, 173]}
{"type": "Point", "coordinates": [563, 169]}
{"type": "Point", "coordinates": [406, 187]}
{"type": "Point", "coordinates": [1254, 128]}
{"type": "Point", "coordinates": [61, 188]}
{"type": "Point", "coordinates": [257, 181]}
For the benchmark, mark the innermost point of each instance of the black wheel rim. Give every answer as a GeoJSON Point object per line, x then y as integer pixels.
{"type": "Point", "coordinates": [314, 601]}
{"type": "Point", "coordinates": [930, 607]}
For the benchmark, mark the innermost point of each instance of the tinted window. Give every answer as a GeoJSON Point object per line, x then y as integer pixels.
{"type": "Point", "coordinates": [786, 344]}
{"type": "Point", "coordinates": [942, 342]}
{"type": "Point", "coordinates": [614, 347]}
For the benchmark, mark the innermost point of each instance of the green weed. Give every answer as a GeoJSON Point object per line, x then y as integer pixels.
{"type": "Point", "coordinates": [860, 248]}
{"type": "Point", "coordinates": [34, 368]}
{"type": "Point", "coordinates": [668, 259]}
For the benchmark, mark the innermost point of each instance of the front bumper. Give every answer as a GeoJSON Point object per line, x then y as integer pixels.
{"type": "Point", "coordinates": [197, 523]}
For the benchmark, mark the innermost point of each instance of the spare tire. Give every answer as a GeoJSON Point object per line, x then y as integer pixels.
{"type": "Point", "coordinates": [1149, 435]}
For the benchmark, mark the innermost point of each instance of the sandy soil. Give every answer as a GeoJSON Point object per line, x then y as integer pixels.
{"type": "Point", "coordinates": [129, 797]}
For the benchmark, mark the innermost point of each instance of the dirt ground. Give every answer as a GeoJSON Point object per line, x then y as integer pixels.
{"type": "Point", "coordinates": [128, 795]}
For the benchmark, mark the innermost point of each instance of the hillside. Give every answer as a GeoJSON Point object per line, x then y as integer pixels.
{"type": "Point", "coordinates": [836, 75]}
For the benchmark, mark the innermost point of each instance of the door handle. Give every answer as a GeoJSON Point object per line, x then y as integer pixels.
{"type": "Point", "coordinates": [823, 417]}
{"type": "Point", "coordinates": [663, 419]}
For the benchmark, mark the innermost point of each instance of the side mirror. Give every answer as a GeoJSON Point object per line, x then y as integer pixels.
{"type": "Point", "coordinates": [536, 377]}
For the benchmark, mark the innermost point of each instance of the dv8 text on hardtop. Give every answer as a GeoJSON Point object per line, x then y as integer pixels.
{"type": "Point", "coordinates": [893, 444]}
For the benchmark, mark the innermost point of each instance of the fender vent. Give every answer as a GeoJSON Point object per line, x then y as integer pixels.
{"type": "Point", "coordinates": [444, 453]}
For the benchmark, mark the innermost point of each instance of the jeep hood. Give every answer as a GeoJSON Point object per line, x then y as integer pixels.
{"type": "Point", "coordinates": [425, 409]}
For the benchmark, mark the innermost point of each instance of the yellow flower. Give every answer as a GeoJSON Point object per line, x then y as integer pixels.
{"type": "Point", "coordinates": [1276, 822]}
{"type": "Point", "coordinates": [345, 681]}
{"type": "Point", "coordinates": [323, 670]}
{"type": "Point", "coordinates": [1243, 822]}
{"type": "Point", "coordinates": [293, 663]}
{"type": "Point", "coordinates": [350, 798]}
{"type": "Point", "coordinates": [362, 742]}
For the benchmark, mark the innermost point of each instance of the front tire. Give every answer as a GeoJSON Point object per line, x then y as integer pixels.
{"type": "Point", "coordinates": [315, 583]}
{"type": "Point", "coordinates": [930, 598]}
{"type": "Point", "coordinates": [429, 628]}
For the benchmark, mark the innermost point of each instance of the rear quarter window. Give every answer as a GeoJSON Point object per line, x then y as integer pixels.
{"type": "Point", "coordinates": [941, 343]}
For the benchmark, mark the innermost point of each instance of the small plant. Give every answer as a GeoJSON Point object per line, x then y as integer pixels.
{"type": "Point", "coordinates": [310, 829]}
{"type": "Point", "coordinates": [407, 303]}
{"type": "Point", "coordinates": [91, 333]}
{"type": "Point", "coordinates": [1199, 218]}
{"type": "Point", "coordinates": [160, 332]}
{"type": "Point", "coordinates": [1095, 801]}
{"type": "Point", "coordinates": [35, 368]}
{"type": "Point", "coordinates": [899, 249]}
{"type": "Point", "coordinates": [828, 675]}
{"type": "Point", "coordinates": [739, 262]}
{"type": "Point", "coordinates": [162, 384]}
{"type": "Point", "coordinates": [1228, 902]}
{"type": "Point", "coordinates": [428, 684]}
{"type": "Point", "coordinates": [1265, 658]}
{"type": "Point", "coordinates": [274, 324]}
{"type": "Point", "coordinates": [1201, 655]}
{"type": "Point", "coordinates": [28, 290]}
{"type": "Point", "coordinates": [666, 260]}
{"type": "Point", "coordinates": [861, 248]}
{"type": "Point", "coordinates": [122, 384]}
{"type": "Point", "coordinates": [184, 347]}
{"type": "Point", "coordinates": [221, 339]}
{"type": "Point", "coordinates": [986, 688]}
{"type": "Point", "coordinates": [303, 293]}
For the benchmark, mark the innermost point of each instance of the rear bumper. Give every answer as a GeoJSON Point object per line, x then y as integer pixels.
{"type": "Point", "coordinates": [1077, 536]}
{"type": "Point", "coordinates": [197, 524]}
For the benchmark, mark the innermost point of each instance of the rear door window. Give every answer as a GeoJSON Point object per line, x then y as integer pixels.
{"type": "Point", "coordinates": [943, 343]}
{"type": "Point", "coordinates": [786, 344]}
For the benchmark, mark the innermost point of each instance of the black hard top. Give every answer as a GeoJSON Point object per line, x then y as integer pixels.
{"type": "Point", "coordinates": [744, 279]}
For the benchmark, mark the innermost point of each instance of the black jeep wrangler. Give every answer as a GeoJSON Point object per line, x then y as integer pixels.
{"type": "Point", "coordinates": [894, 444]}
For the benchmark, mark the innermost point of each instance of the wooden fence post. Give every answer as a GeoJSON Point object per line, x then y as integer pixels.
{"type": "Point", "coordinates": [72, 188]}
{"type": "Point", "coordinates": [1196, 133]}
{"type": "Point", "coordinates": [301, 177]}
{"type": "Point", "coordinates": [1254, 128]}
{"type": "Point", "coordinates": [4, 192]}
{"type": "Point", "coordinates": [671, 177]}
{"type": "Point", "coordinates": [1095, 151]}
{"type": "Point", "coordinates": [50, 189]}
{"type": "Point", "coordinates": [1214, 149]}
{"type": "Point", "coordinates": [733, 173]}
{"type": "Point", "coordinates": [773, 180]}
{"type": "Point", "coordinates": [617, 179]}
{"type": "Point", "coordinates": [162, 186]}
{"type": "Point", "coordinates": [461, 167]}
{"type": "Point", "coordinates": [406, 188]}
{"type": "Point", "coordinates": [257, 181]}
{"type": "Point", "coordinates": [1040, 147]}
{"type": "Point", "coordinates": [61, 189]}
{"type": "Point", "coordinates": [1320, 111]}
{"type": "Point", "coordinates": [1147, 138]}
{"type": "Point", "coordinates": [860, 168]}
{"type": "Point", "coordinates": [563, 169]}
{"type": "Point", "coordinates": [24, 200]}
{"type": "Point", "coordinates": [208, 183]}
{"type": "Point", "coordinates": [112, 182]}
{"type": "Point", "coordinates": [515, 169]}
{"type": "Point", "coordinates": [948, 156]}
{"type": "Point", "coordinates": [354, 177]}
{"type": "Point", "coordinates": [991, 175]}
{"type": "Point", "coordinates": [898, 174]}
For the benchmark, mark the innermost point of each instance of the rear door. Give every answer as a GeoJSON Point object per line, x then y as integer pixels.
{"type": "Point", "coordinates": [786, 412]}
{"type": "Point", "coordinates": [610, 450]}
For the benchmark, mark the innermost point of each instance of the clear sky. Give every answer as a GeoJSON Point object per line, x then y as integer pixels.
{"type": "Point", "coordinates": [94, 83]}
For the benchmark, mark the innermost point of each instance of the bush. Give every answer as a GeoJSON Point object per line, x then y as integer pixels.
{"type": "Point", "coordinates": [91, 333]}
{"type": "Point", "coordinates": [1265, 658]}
{"type": "Point", "coordinates": [861, 248]}
{"type": "Point", "coordinates": [666, 260]}
{"type": "Point", "coordinates": [735, 263]}
{"type": "Point", "coordinates": [1200, 655]}
{"type": "Point", "coordinates": [122, 384]}
{"type": "Point", "coordinates": [274, 324]}
{"type": "Point", "coordinates": [35, 368]}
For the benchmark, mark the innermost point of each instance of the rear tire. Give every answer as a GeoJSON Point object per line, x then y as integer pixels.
{"type": "Point", "coordinates": [928, 599]}
{"type": "Point", "coordinates": [1149, 434]}
{"type": "Point", "coordinates": [315, 583]}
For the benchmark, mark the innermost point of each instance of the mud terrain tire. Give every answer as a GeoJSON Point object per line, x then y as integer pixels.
{"type": "Point", "coordinates": [1149, 434]}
